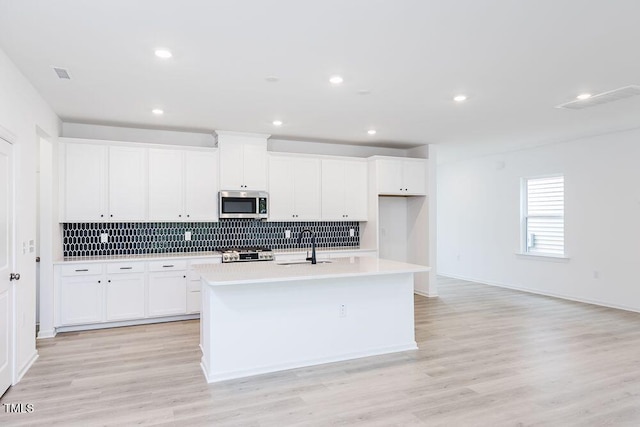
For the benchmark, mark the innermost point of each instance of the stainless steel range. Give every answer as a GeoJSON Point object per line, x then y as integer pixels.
{"type": "Point", "coordinates": [246, 254]}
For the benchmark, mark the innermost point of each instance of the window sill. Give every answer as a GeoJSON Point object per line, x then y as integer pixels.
{"type": "Point", "coordinates": [539, 257]}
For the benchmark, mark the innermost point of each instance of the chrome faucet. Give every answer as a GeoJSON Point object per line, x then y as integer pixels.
{"type": "Point", "coordinates": [311, 258]}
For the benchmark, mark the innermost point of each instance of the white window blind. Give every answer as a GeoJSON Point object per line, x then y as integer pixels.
{"type": "Point", "coordinates": [544, 216]}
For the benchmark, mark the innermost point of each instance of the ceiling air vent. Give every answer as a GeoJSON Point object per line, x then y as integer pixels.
{"type": "Point", "coordinates": [602, 98]}
{"type": "Point", "coordinates": [62, 73]}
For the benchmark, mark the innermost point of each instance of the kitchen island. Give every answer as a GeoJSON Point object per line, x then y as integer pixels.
{"type": "Point", "coordinates": [263, 317]}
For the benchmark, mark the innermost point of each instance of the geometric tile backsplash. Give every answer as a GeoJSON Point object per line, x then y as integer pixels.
{"type": "Point", "coordinates": [136, 238]}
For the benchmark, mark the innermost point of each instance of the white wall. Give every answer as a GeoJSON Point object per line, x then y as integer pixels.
{"type": "Point", "coordinates": [307, 147]}
{"type": "Point", "coordinates": [25, 115]}
{"type": "Point", "coordinates": [479, 219]}
{"type": "Point", "coordinates": [129, 134]}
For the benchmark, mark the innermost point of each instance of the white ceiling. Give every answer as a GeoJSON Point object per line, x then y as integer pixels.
{"type": "Point", "coordinates": [515, 60]}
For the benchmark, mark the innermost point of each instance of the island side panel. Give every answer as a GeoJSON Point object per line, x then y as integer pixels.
{"type": "Point", "coordinates": [257, 328]}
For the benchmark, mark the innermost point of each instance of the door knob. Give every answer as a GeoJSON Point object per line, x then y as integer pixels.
{"type": "Point", "coordinates": [14, 276]}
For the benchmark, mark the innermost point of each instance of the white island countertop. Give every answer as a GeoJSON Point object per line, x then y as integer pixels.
{"type": "Point", "coordinates": [270, 271]}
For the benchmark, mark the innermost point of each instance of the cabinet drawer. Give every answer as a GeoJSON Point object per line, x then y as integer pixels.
{"type": "Point", "coordinates": [168, 265]}
{"type": "Point", "coordinates": [125, 267]}
{"type": "Point", "coordinates": [81, 269]}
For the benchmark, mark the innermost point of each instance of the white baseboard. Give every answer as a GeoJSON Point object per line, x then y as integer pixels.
{"type": "Point", "coordinates": [127, 323]}
{"type": "Point", "coordinates": [537, 292]}
{"type": "Point", "coordinates": [426, 294]}
{"type": "Point", "coordinates": [25, 367]}
{"type": "Point", "coordinates": [229, 375]}
{"type": "Point", "coordinates": [46, 334]}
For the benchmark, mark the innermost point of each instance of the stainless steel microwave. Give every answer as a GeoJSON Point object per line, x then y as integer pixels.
{"type": "Point", "coordinates": [243, 204]}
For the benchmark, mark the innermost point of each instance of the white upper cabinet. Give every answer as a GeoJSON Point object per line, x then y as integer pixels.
{"type": "Point", "coordinates": [201, 185]}
{"type": "Point", "coordinates": [127, 183]}
{"type": "Point", "coordinates": [356, 180]}
{"type": "Point", "coordinates": [85, 182]}
{"type": "Point", "coordinates": [114, 181]}
{"type": "Point", "coordinates": [344, 190]}
{"type": "Point", "coordinates": [294, 188]}
{"type": "Point", "coordinates": [183, 185]}
{"type": "Point", "coordinates": [166, 185]}
{"type": "Point", "coordinates": [399, 176]}
{"type": "Point", "coordinates": [243, 161]}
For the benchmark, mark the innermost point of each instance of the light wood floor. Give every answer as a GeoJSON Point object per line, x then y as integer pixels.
{"type": "Point", "coordinates": [488, 357]}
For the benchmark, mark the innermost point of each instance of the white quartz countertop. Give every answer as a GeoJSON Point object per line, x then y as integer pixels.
{"type": "Point", "coordinates": [195, 255]}
{"type": "Point", "coordinates": [142, 257]}
{"type": "Point", "coordinates": [270, 272]}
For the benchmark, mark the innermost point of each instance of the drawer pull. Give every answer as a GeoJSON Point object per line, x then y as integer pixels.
{"type": "Point", "coordinates": [167, 266]}
{"type": "Point", "coordinates": [126, 268]}
{"type": "Point", "coordinates": [83, 269]}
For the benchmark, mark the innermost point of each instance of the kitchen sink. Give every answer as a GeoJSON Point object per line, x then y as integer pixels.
{"type": "Point", "coordinates": [302, 262]}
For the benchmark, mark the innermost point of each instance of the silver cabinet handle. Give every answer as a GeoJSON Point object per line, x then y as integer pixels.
{"type": "Point", "coordinates": [83, 269]}
{"type": "Point", "coordinates": [167, 266]}
{"type": "Point", "coordinates": [126, 268]}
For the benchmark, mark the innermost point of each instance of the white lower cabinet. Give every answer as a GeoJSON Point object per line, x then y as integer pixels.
{"type": "Point", "coordinates": [124, 297]}
{"type": "Point", "coordinates": [95, 293]}
{"type": "Point", "coordinates": [81, 300]}
{"type": "Point", "coordinates": [194, 284]}
{"type": "Point", "coordinates": [167, 293]}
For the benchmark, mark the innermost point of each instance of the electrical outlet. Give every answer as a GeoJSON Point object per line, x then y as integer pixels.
{"type": "Point", "coordinates": [352, 232]}
{"type": "Point", "coordinates": [343, 310]}
{"type": "Point", "coordinates": [104, 237]}
{"type": "Point", "coordinates": [287, 234]}
{"type": "Point", "coordinates": [187, 235]}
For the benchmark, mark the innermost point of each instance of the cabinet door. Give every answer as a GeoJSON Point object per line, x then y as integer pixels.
{"type": "Point", "coordinates": [167, 293]}
{"type": "Point", "coordinates": [124, 297]}
{"type": "Point", "coordinates": [81, 300]}
{"type": "Point", "coordinates": [127, 184]}
{"type": "Point", "coordinates": [333, 191]}
{"type": "Point", "coordinates": [165, 185]}
{"type": "Point", "coordinates": [255, 167]}
{"type": "Point", "coordinates": [201, 186]}
{"type": "Point", "coordinates": [281, 189]}
{"type": "Point", "coordinates": [415, 176]}
{"type": "Point", "coordinates": [231, 166]}
{"type": "Point", "coordinates": [390, 179]}
{"type": "Point", "coordinates": [85, 182]}
{"type": "Point", "coordinates": [355, 184]}
{"type": "Point", "coordinates": [307, 191]}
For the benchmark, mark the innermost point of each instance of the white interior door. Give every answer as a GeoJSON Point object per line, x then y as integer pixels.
{"type": "Point", "coordinates": [6, 263]}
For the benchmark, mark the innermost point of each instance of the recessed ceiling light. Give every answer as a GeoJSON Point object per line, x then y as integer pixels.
{"type": "Point", "coordinates": [336, 80]}
{"type": "Point", "coordinates": [277, 122]}
{"type": "Point", "coordinates": [163, 53]}
{"type": "Point", "coordinates": [583, 96]}
{"type": "Point", "coordinates": [460, 98]}
{"type": "Point", "coordinates": [272, 79]}
{"type": "Point", "coordinates": [371, 131]}
{"type": "Point", "coordinates": [157, 111]}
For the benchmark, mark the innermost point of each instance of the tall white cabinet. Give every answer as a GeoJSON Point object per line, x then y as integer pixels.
{"type": "Point", "coordinates": [85, 182]}
{"type": "Point", "coordinates": [127, 183]}
{"type": "Point", "coordinates": [243, 161]}
{"type": "Point", "coordinates": [294, 188]}
{"type": "Point", "coordinates": [344, 190]}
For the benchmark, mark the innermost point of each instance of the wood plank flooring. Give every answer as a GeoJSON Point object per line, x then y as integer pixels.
{"type": "Point", "coordinates": [487, 357]}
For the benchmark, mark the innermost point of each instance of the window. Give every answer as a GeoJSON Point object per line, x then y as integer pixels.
{"type": "Point", "coordinates": [543, 216]}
